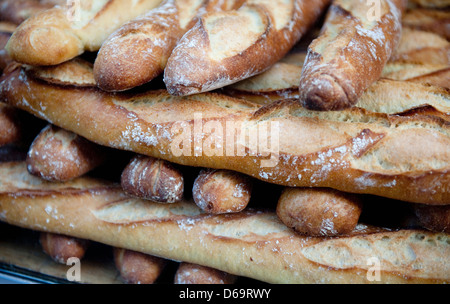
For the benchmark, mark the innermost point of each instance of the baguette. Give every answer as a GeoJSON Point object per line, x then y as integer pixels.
{"type": "Point", "coordinates": [153, 179]}
{"type": "Point", "coordinates": [278, 82]}
{"type": "Point", "coordinates": [61, 248]}
{"type": "Point", "coordinates": [60, 155]}
{"type": "Point", "coordinates": [354, 151]}
{"type": "Point", "coordinates": [423, 47]}
{"type": "Point", "coordinates": [217, 52]}
{"type": "Point", "coordinates": [319, 212]}
{"type": "Point", "coordinates": [350, 53]}
{"type": "Point", "coordinates": [407, 70]}
{"type": "Point", "coordinates": [251, 243]}
{"type": "Point", "coordinates": [136, 267]}
{"type": "Point", "coordinates": [424, 86]}
{"type": "Point", "coordinates": [221, 191]}
{"type": "Point", "coordinates": [55, 36]}
{"type": "Point", "coordinates": [138, 51]}
{"type": "Point", "coordinates": [432, 20]}
{"type": "Point", "coordinates": [437, 78]}
{"type": "Point", "coordinates": [188, 273]}
{"type": "Point", "coordinates": [393, 97]}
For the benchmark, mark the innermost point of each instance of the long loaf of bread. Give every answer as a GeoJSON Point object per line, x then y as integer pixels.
{"type": "Point", "coordinates": [227, 46]}
{"type": "Point", "coordinates": [62, 33]}
{"type": "Point", "coordinates": [252, 243]}
{"type": "Point", "coordinates": [138, 51]}
{"type": "Point", "coordinates": [404, 87]}
{"type": "Point", "coordinates": [405, 158]}
{"type": "Point", "coordinates": [350, 53]}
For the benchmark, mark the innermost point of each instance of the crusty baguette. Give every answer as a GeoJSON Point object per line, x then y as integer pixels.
{"type": "Point", "coordinates": [17, 11]}
{"type": "Point", "coordinates": [279, 82]}
{"type": "Point", "coordinates": [425, 110]}
{"type": "Point", "coordinates": [392, 97]}
{"type": "Point", "coordinates": [350, 53]}
{"type": "Point", "coordinates": [136, 267]}
{"type": "Point", "coordinates": [59, 155]}
{"type": "Point", "coordinates": [153, 179]}
{"type": "Point", "coordinates": [54, 36]}
{"type": "Point", "coordinates": [225, 47]}
{"type": "Point", "coordinates": [423, 47]}
{"type": "Point", "coordinates": [438, 78]}
{"type": "Point", "coordinates": [251, 243]}
{"type": "Point", "coordinates": [61, 247]}
{"type": "Point", "coordinates": [353, 151]}
{"type": "Point", "coordinates": [138, 51]}
{"type": "Point", "coordinates": [406, 70]}
{"type": "Point", "coordinates": [221, 191]}
{"type": "Point", "coordinates": [423, 85]}
{"type": "Point", "coordinates": [319, 212]}
{"type": "Point", "coordinates": [188, 273]}
{"type": "Point", "coordinates": [432, 20]}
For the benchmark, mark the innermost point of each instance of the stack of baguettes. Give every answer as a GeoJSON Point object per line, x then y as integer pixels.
{"type": "Point", "coordinates": [336, 169]}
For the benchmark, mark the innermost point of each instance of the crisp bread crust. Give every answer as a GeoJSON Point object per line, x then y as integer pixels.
{"type": "Point", "coordinates": [350, 54]}
{"type": "Point", "coordinates": [204, 59]}
{"type": "Point", "coordinates": [353, 151]}
{"type": "Point", "coordinates": [50, 37]}
{"type": "Point", "coordinates": [250, 243]}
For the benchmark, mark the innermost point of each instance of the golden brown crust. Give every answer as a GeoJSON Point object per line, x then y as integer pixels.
{"type": "Point", "coordinates": [61, 248]}
{"type": "Point", "coordinates": [437, 78]}
{"type": "Point", "coordinates": [136, 267]}
{"type": "Point", "coordinates": [188, 273]}
{"type": "Point", "coordinates": [153, 179]}
{"type": "Point", "coordinates": [278, 82]}
{"type": "Point", "coordinates": [426, 110]}
{"type": "Point", "coordinates": [206, 58]}
{"type": "Point", "coordinates": [60, 155]}
{"type": "Point", "coordinates": [353, 151]}
{"type": "Point", "coordinates": [138, 51]}
{"type": "Point", "coordinates": [221, 191]}
{"type": "Point", "coordinates": [434, 218]}
{"type": "Point", "coordinates": [319, 212]}
{"type": "Point", "coordinates": [393, 97]}
{"type": "Point", "coordinates": [250, 243]}
{"type": "Point", "coordinates": [350, 53]}
{"type": "Point", "coordinates": [418, 46]}
{"type": "Point", "coordinates": [432, 20]}
{"type": "Point", "coordinates": [403, 87]}
{"type": "Point", "coordinates": [77, 72]}
{"type": "Point", "coordinates": [54, 36]}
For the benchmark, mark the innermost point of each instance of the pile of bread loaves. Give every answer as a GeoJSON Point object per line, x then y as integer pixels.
{"type": "Point", "coordinates": [287, 141]}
